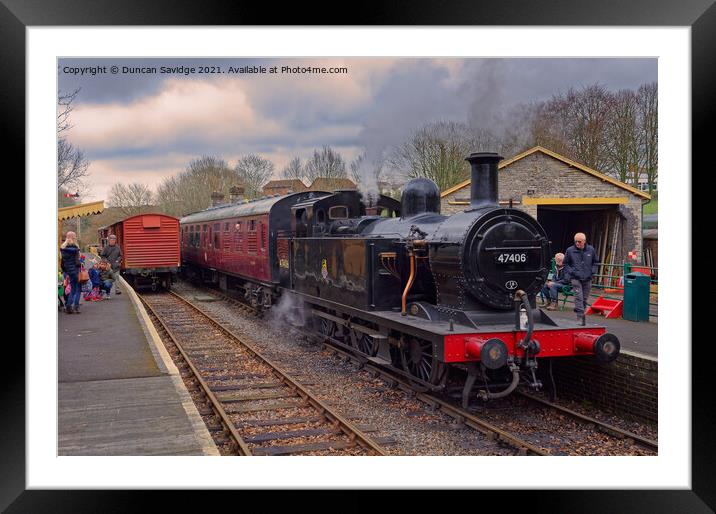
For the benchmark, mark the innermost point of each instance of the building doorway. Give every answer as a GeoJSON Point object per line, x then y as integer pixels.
{"type": "Point", "coordinates": [602, 224]}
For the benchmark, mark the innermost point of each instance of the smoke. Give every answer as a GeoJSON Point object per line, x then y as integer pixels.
{"type": "Point", "coordinates": [366, 171]}
{"type": "Point", "coordinates": [288, 310]}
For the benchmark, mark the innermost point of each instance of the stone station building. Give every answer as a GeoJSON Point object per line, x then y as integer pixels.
{"type": "Point", "coordinates": [566, 197]}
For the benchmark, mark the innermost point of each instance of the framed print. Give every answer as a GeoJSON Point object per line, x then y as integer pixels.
{"type": "Point", "coordinates": [427, 68]}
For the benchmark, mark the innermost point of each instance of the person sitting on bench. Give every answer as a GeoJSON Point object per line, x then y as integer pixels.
{"type": "Point", "coordinates": [556, 284]}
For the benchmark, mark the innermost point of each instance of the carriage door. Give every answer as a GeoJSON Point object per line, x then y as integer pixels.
{"type": "Point", "coordinates": [263, 246]}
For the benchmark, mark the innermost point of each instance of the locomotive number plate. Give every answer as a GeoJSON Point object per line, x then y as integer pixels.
{"type": "Point", "coordinates": [512, 258]}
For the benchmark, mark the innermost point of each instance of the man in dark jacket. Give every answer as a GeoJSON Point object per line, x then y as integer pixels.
{"type": "Point", "coordinates": [556, 283]}
{"type": "Point", "coordinates": [580, 261]}
{"type": "Point", "coordinates": [113, 253]}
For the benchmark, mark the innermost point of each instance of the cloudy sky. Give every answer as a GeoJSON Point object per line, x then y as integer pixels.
{"type": "Point", "coordinates": [145, 126]}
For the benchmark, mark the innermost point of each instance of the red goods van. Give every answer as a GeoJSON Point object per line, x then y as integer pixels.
{"type": "Point", "coordinates": [150, 248]}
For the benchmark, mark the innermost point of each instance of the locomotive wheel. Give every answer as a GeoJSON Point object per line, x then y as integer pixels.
{"type": "Point", "coordinates": [363, 343]}
{"type": "Point", "coordinates": [419, 360]}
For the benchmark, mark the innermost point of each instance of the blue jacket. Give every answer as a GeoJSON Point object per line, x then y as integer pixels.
{"type": "Point", "coordinates": [580, 264]}
{"type": "Point", "coordinates": [94, 277]}
{"type": "Point", "coordinates": [560, 276]}
{"type": "Point", "coordinates": [70, 259]}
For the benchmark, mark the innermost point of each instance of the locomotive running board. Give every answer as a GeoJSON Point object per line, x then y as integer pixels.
{"type": "Point", "coordinates": [383, 354]}
{"type": "Point", "coordinates": [347, 323]}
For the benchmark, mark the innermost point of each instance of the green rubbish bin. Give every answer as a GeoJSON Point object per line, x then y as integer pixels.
{"type": "Point", "coordinates": [636, 297]}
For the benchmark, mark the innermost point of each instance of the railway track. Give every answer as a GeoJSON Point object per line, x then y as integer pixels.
{"type": "Point", "coordinates": [254, 407]}
{"type": "Point", "coordinates": [459, 415]}
{"type": "Point", "coordinates": [436, 398]}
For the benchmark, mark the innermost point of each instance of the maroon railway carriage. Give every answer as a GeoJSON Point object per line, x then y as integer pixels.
{"type": "Point", "coordinates": [234, 245]}
{"type": "Point", "coordinates": [150, 248]}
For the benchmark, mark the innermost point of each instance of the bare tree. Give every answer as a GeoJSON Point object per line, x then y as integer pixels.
{"type": "Point", "coordinates": [64, 109]}
{"type": "Point", "coordinates": [574, 124]}
{"type": "Point", "coordinates": [621, 137]}
{"type": "Point", "coordinates": [190, 190]}
{"type": "Point", "coordinates": [130, 199]}
{"type": "Point", "coordinates": [648, 107]}
{"type": "Point", "coordinates": [436, 151]}
{"type": "Point", "coordinates": [294, 170]}
{"type": "Point", "coordinates": [327, 164]}
{"type": "Point", "coordinates": [72, 165]}
{"type": "Point", "coordinates": [589, 110]}
{"type": "Point", "coordinates": [254, 171]}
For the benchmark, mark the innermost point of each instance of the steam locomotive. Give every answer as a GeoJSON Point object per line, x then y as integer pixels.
{"type": "Point", "coordinates": [399, 282]}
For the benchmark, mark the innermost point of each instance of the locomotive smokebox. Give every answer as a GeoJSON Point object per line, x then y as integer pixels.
{"type": "Point", "coordinates": [483, 179]}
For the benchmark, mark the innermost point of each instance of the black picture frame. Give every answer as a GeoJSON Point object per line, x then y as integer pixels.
{"type": "Point", "coordinates": [700, 15]}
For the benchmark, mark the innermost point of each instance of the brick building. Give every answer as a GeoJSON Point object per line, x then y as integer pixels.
{"type": "Point", "coordinates": [567, 197]}
{"type": "Point", "coordinates": [282, 187]}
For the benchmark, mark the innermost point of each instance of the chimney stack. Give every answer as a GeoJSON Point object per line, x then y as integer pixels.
{"type": "Point", "coordinates": [236, 194]}
{"type": "Point", "coordinates": [483, 179]}
{"type": "Point", "coordinates": [216, 198]}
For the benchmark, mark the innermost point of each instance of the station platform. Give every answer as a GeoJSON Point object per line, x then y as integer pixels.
{"type": "Point", "coordinates": [636, 337]}
{"type": "Point", "coordinates": [119, 392]}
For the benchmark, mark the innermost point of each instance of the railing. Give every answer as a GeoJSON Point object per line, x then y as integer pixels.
{"type": "Point", "coordinates": [609, 281]}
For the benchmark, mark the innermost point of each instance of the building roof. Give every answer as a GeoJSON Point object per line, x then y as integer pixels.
{"type": "Point", "coordinates": [569, 162]}
{"type": "Point", "coordinates": [332, 184]}
{"type": "Point", "coordinates": [84, 209]}
{"type": "Point", "coordinates": [294, 183]}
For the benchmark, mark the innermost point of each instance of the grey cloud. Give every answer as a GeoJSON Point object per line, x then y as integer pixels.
{"type": "Point", "coordinates": [415, 92]}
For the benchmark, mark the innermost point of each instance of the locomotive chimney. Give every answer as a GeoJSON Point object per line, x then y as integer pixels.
{"type": "Point", "coordinates": [216, 198]}
{"type": "Point", "coordinates": [483, 179]}
{"type": "Point", "coordinates": [236, 194]}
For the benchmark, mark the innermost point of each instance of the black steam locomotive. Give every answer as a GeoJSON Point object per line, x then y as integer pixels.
{"type": "Point", "coordinates": [411, 288]}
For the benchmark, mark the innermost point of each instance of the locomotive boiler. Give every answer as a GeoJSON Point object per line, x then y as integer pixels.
{"type": "Point", "coordinates": [399, 282]}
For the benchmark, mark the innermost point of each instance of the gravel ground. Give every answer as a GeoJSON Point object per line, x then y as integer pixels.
{"type": "Point", "coordinates": [388, 414]}
{"type": "Point", "coordinates": [641, 428]}
{"type": "Point", "coordinates": [559, 433]}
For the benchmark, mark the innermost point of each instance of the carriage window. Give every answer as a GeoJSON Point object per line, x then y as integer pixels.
{"type": "Point", "coordinates": [238, 226]}
{"type": "Point", "coordinates": [338, 212]}
{"type": "Point", "coordinates": [226, 226]}
{"type": "Point", "coordinates": [321, 216]}
{"type": "Point", "coordinates": [216, 239]}
{"type": "Point", "coordinates": [252, 225]}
